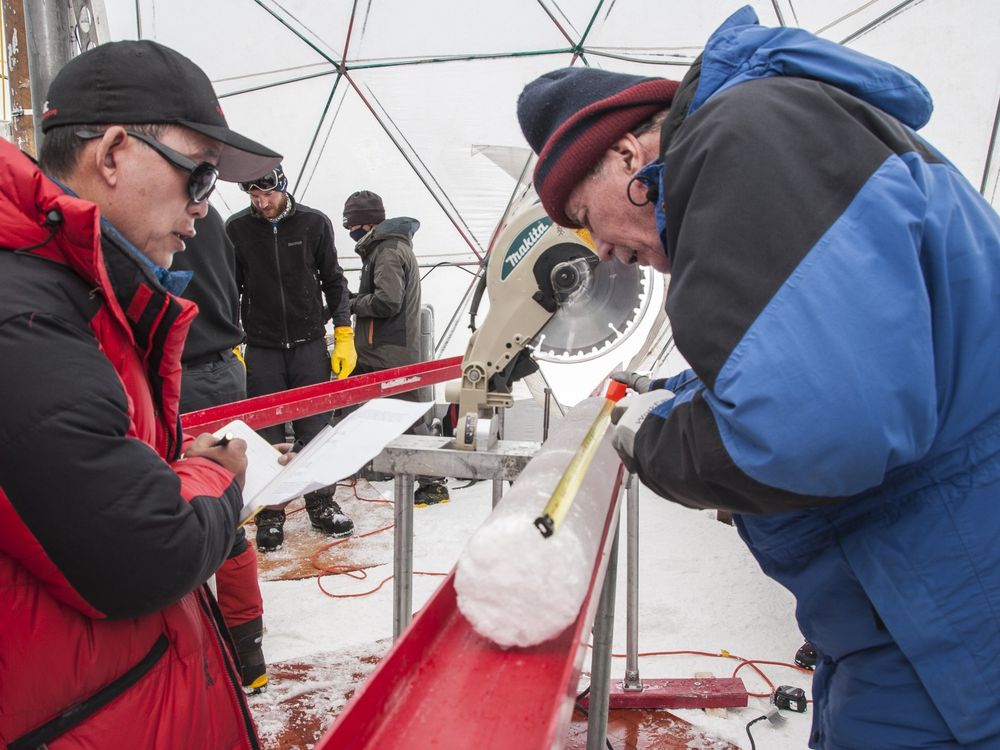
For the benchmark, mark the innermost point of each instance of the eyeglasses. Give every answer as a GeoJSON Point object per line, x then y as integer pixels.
{"type": "Point", "coordinates": [265, 184]}
{"type": "Point", "coordinates": [201, 177]}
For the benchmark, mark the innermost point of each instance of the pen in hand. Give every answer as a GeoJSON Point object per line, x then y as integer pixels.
{"type": "Point", "coordinates": [224, 440]}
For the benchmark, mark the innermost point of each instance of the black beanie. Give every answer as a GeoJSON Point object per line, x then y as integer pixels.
{"type": "Point", "coordinates": [572, 116]}
{"type": "Point", "coordinates": [363, 207]}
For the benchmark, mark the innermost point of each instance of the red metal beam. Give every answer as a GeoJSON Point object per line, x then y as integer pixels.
{"type": "Point", "coordinates": [276, 408]}
{"type": "Point", "coordinates": [442, 685]}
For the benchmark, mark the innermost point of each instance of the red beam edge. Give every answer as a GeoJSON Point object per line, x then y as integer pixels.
{"type": "Point", "coordinates": [295, 403]}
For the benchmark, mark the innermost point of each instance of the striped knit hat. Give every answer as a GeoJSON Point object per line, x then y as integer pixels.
{"type": "Point", "coordinates": [571, 116]}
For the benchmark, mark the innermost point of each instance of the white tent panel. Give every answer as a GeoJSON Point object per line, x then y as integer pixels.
{"type": "Point", "coordinates": [427, 86]}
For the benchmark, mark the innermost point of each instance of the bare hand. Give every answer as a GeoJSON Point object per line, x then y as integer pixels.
{"type": "Point", "coordinates": [285, 449]}
{"type": "Point", "coordinates": [232, 456]}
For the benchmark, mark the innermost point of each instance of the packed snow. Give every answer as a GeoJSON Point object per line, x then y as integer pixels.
{"type": "Point", "coordinates": [516, 587]}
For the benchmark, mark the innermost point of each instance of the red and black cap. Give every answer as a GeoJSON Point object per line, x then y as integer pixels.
{"type": "Point", "coordinates": [572, 116]}
{"type": "Point", "coordinates": [132, 82]}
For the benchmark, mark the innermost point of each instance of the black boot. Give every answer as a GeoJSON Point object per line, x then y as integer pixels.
{"type": "Point", "coordinates": [270, 529]}
{"type": "Point", "coordinates": [367, 472]}
{"type": "Point", "coordinates": [805, 657]}
{"type": "Point", "coordinates": [253, 669]}
{"type": "Point", "coordinates": [430, 493]}
{"type": "Point", "coordinates": [326, 515]}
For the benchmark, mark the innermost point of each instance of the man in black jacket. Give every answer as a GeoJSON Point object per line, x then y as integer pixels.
{"type": "Point", "coordinates": [387, 305]}
{"type": "Point", "coordinates": [213, 371]}
{"type": "Point", "coordinates": [213, 374]}
{"type": "Point", "coordinates": [286, 263]}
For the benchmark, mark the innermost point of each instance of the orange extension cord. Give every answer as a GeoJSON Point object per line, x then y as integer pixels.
{"type": "Point", "coordinates": [361, 574]}
{"type": "Point", "coordinates": [353, 572]}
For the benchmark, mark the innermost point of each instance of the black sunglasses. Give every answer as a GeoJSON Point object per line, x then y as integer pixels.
{"type": "Point", "coordinates": [265, 184]}
{"type": "Point", "coordinates": [201, 177]}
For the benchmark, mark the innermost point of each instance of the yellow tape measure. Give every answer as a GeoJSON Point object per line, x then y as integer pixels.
{"type": "Point", "coordinates": [564, 494]}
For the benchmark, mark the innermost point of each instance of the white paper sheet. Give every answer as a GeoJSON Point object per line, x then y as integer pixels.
{"type": "Point", "coordinates": [335, 453]}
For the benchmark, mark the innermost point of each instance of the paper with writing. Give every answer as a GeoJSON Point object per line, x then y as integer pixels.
{"type": "Point", "coordinates": [335, 453]}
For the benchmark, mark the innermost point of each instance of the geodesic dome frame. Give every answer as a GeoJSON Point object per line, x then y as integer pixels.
{"type": "Point", "coordinates": [416, 100]}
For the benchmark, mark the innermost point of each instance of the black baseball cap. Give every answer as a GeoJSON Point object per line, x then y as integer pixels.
{"type": "Point", "coordinates": [133, 82]}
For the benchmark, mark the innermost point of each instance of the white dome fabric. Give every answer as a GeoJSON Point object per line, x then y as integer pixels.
{"type": "Point", "coordinates": [416, 100]}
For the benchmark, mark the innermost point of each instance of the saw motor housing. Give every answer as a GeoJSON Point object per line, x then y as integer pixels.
{"type": "Point", "coordinates": [535, 267]}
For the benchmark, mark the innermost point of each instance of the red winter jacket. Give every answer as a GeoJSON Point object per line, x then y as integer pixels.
{"type": "Point", "coordinates": [108, 636]}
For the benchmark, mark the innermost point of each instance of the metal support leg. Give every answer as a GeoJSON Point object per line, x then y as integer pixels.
{"type": "Point", "coordinates": [498, 483]}
{"type": "Point", "coordinates": [402, 555]}
{"type": "Point", "coordinates": [546, 412]}
{"type": "Point", "coordinates": [600, 665]}
{"type": "Point", "coordinates": [632, 681]}
{"type": "Point", "coordinates": [414, 455]}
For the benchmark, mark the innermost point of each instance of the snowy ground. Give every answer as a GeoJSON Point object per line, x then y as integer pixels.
{"type": "Point", "coordinates": [700, 590]}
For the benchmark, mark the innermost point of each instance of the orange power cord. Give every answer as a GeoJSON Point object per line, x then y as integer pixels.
{"type": "Point", "coordinates": [351, 571]}
{"type": "Point", "coordinates": [361, 574]}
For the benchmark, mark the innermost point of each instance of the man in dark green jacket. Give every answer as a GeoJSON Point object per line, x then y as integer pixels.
{"type": "Point", "coordinates": [387, 305]}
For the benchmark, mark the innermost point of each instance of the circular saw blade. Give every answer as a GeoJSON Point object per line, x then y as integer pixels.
{"type": "Point", "coordinates": [598, 316]}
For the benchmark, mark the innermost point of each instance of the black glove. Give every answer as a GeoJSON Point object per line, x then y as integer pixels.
{"type": "Point", "coordinates": [239, 543]}
{"type": "Point", "coordinates": [635, 381]}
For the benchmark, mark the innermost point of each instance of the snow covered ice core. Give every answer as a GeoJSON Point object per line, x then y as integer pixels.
{"type": "Point", "coordinates": [516, 587]}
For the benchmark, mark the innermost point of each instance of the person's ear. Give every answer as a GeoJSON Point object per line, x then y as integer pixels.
{"type": "Point", "coordinates": [629, 153]}
{"type": "Point", "coordinates": [108, 154]}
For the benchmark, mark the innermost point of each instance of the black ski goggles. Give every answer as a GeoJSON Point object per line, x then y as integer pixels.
{"type": "Point", "coordinates": [201, 177]}
{"type": "Point", "coordinates": [265, 184]}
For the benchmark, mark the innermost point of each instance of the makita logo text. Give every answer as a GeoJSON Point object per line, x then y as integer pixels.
{"type": "Point", "coordinates": [522, 245]}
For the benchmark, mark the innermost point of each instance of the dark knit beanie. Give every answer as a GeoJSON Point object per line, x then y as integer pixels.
{"type": "Point", "coordinates": [363, 207]}
{"type": "Point", "coordinates": [572, 116]}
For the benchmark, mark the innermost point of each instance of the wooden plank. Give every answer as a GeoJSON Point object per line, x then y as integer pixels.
{"type": "Point", "coordinates": [682, 692]}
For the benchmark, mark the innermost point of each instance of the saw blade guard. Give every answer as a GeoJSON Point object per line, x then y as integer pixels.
{"type": "Point", "coordinates": [603, 308]}
{"type": "Point", "coordinates": [594, 305]}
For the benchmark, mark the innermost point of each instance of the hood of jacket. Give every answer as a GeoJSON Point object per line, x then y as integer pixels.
{"type": "Point", "coordinates": [29, 198]}
{"type": "Point", "coordinates": [30, 203]}
{"type": "Point", "coordinates": [38, 217]}
{"type": "Point", "coordinates": [402, 227]}
{"type": "Point", "coordinates": [742, 50]}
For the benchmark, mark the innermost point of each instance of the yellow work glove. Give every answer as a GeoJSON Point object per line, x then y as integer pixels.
{"type": "Point", "coordinates": [344, 356]}
{"type": "Point", "coordinates": [239, 355]}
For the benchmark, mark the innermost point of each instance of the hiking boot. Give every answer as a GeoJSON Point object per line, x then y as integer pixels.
{"type": "Point", "coordinates": [805, 657]}
{"type": "Point", "coordinates": [367, 472]}
{"type": "Point", "coordinates": [253, 670]}
{"type": "Point", "coordinates": [270, 529]}
{"type": "Point", "coordinates": [430, 494]}
{"type": "Point", "coordinates": [326, 515]}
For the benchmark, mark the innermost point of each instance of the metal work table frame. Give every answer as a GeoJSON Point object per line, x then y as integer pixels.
{"type": "Point", "coordinates": [411, 455]}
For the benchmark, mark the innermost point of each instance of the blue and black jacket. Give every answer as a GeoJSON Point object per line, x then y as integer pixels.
{"type": "Point", "coordinates": [836, 289]}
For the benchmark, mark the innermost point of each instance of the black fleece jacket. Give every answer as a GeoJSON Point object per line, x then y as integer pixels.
{"type": "Point", "coordinates": [210, 256]}
{"type": "Point", "coordinates": [283, 271]}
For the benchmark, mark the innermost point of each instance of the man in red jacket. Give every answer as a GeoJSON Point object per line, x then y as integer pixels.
{"type": "Point", "coordinates": [113, 519]}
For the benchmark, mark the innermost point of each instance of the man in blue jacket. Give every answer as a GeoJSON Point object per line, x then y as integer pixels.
{"type": "Point", "coordinates": [835, 287]}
